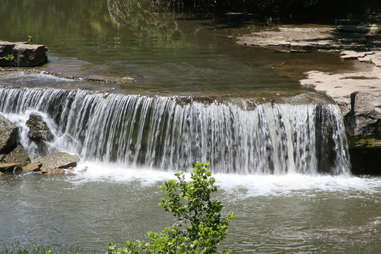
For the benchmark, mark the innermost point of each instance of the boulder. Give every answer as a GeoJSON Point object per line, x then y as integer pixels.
{"type": "Point", "coordinates": [55, 161]}
{"type": "Point", "coordinates": [363, 125]}
{"type": "Point", "coordinates": [39, 132]}
{"type": "Point", "coordinates": [18, 155]}
{"type": "Point", "coordinates": [8, 135]}
{"type": "Point", "coordinates": [10, 168]}
{"type": "Point", "coordinates": [364, 118]}
{"type": "Point", "coordinates": [32, 167]}
{"type": "Point", "coordinates": [21, 54]}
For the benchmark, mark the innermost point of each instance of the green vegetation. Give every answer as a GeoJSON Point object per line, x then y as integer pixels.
{"type": "Point", "coordinates": [9, 57]}
{"type": "Point", "coordinates": [30, 39]}
{"type": "Point", "coordinates": [201, 225]}
{"type": "Point", "coordinates": [20, 250]}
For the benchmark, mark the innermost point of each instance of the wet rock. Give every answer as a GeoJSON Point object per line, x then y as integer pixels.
{"type": "Point", "coordinates": [10, 168]}
{"type": "Point", "coordinates": [18, 155]}
{"type": "Point", "coordinates": [21, 54]}
{"type": "Point", "coordinates": [57, 161]}
{"type": "Point", "coordinates": [364, 119]}
{"type": "Point", "coordinates": [32, 167]}
{"type": "Point", "coordinates": [39, 132]}
{"type": "Point", "coordinates": [8, 135]}
{"type": "Point", "coordinates": [54, 171]}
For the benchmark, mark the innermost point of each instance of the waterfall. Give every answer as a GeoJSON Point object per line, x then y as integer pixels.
{"type": "Point", "coordinates": [175, 132]}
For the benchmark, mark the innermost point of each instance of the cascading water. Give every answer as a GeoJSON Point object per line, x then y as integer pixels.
{"type": "Point", "coordinates": [160, 132]}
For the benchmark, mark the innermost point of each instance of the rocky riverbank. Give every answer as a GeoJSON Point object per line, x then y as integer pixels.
{"type": "Point", "coordinates": [357, 92]}
{"type": "Point", "coordinates": [14, 159]}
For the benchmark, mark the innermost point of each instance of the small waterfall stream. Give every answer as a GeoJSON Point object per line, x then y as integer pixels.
{"type": "Point", "coordinates": [171, 133]}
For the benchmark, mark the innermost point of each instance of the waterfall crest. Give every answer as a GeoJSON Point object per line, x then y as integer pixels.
{"type": "Point", "coordinates": [160, 132]}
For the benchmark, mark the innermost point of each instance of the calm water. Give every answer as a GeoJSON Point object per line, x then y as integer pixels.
{"type": "Point", "coordinates": [90, 37]}
{"type": "Point", "coordinates": [275, 214]}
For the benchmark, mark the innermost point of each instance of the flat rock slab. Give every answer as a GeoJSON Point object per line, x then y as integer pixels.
{"type": "Point", "coordinates": [340, 86]}
{"type": "Point", "coordinates": [57, 161]}
{"type": "Point", "coordinates": [20, 54]}
{"type": "Point", "coordinates": [305, 38]}
{"type": "Point", "coordinates": [292, 38]}
{"type": "Point", "coordinates": [32, 167]}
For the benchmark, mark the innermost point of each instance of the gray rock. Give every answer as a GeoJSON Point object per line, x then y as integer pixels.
{"type": "Point", "coordinates": [8, 135]}
{"type": "Point", "coordinates": [57, 161]}
{"type": "Point", "coordinates": [21, 54]}
{"type": "Point", "coordinates": [17, 155]}
{"type": "Point", "coordinates": [364, 119]}
{"type": "Point", "coordinates": [39, 132]}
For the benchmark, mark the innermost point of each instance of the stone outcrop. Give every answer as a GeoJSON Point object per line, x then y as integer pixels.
{"type": "Point", "coordinates": [18, 155]}
{"type": "Point", "coordinates": [39, 132]}
{"type": "Point", "coordinates": [56, 163]}
{"type": "Point", "coordinates": [288, 38]}
{"type": "Point", "coordinates": [8, 135]}
{"type": "Point", "coordinates": [20, 54]}
{"type": "Point", "coordinates": [364, 119]}
{"type": "Point", "coordinates": [305, 38]}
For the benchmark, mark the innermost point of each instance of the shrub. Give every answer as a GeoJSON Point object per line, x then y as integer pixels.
{"type": "Point", "coordinates": [201, 225]}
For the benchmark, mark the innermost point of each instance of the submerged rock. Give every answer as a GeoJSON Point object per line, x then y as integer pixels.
{"type": "Point", "coordinates": [8, 135]}
{"type": "Point", "coordinates": [39, 132]}
{"type": "Point", "coordinates": [21, 54]}
{"type": "Point", "coordinates": [53, 163]}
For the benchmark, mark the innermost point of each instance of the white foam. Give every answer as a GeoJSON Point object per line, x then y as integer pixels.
{"type": "Point", "coordinates": [244, 185]}
{"type": "Point", "coordinates": [46, 75]}
{"type": "Point", "coordinates": [43, 75]}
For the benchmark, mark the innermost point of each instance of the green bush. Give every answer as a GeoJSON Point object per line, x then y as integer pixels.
{"type": "Point", "coordinates": [201, 225]}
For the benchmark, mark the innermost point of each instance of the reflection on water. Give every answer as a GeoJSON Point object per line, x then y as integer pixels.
{"type": "Point", "coordinates": [166, 55]}
{"type": "Point", "coordinates": [275, 214]}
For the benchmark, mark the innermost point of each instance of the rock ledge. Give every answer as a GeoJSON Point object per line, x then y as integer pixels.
{"type": "Point", "coordinates": [21, 54]}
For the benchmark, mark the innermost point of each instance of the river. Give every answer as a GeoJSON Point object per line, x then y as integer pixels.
{"type": "Point", "coordinates": [278, 151]}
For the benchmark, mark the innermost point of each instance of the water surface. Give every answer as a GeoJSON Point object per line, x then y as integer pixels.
{"type": "Point", "coordinates": [275, 214]}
